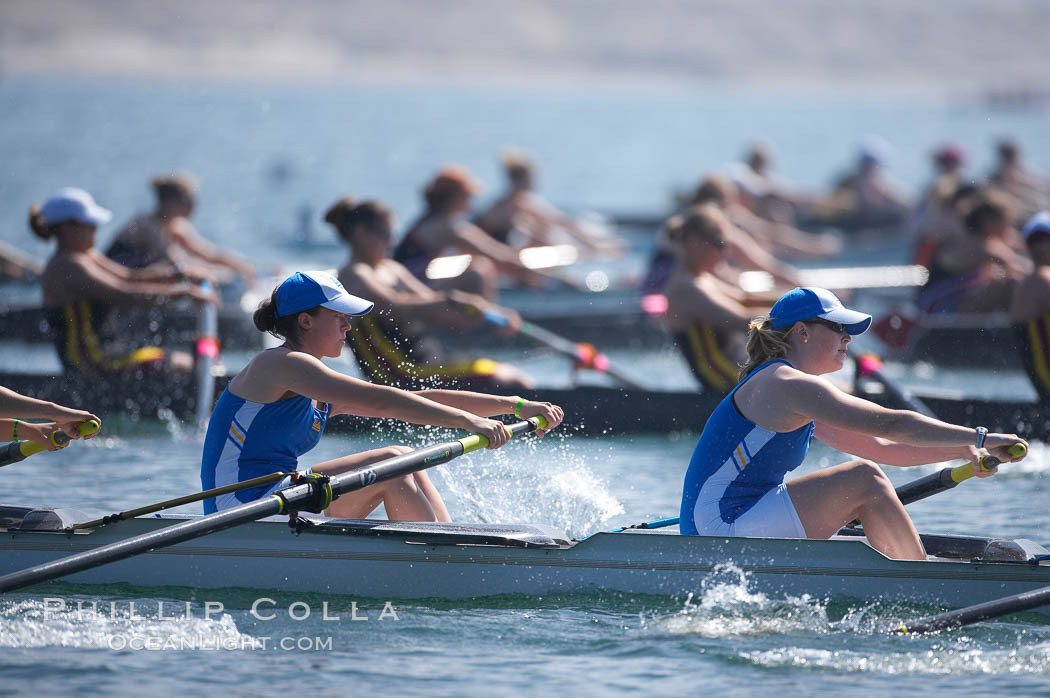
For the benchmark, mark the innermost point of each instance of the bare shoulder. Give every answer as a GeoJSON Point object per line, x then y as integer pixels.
{"type": "Point", "coordinates": [282, 357]}
{"type": "Point", "coordinates": [181, 224]}
{"type": "Point", "coordinates": [775, 397]}
{"type": "Point", "coordinates": [783, 380]}
{"type": "Point", "coordinates": [266, 377]}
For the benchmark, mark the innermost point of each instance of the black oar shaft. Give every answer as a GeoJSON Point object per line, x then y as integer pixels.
{"type": "Point", "coordinates": [572, 350]}
{"type": "Point", "coordinates": [1017, 603]}
{"type": "Point", "coordinates": [288, 500]}
{"type": "Point", "coordinates": [113, 552]}
{"type": "Point", "coordinates": [926, 486]}
{"type": "Point", "coordinates": [545, 336]}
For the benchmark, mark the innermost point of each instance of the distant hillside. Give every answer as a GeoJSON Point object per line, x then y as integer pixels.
{"type": "Point", "coordinates": [961, 43]}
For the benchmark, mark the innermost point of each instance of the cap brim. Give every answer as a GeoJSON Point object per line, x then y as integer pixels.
{"type": "Point", "coordinates": [854, 321]}
{"type": "Point", "coordinates": [349, 305]}
{"type": "Point", "coordinates": [99, 215]}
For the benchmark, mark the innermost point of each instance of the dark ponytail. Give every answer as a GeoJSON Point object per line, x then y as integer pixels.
{"type": "Point", "coordinates": [285, 327]}
{"type": "Point", "coordinates": [37, 224]}
{"type": "Point", "coordinates": [346, 215]}
{"type": "Point", "coordinates": [705, 220]}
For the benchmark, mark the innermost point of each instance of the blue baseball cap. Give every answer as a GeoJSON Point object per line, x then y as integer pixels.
{"type": "Point", "coordinates": [308, 289]}
{"type": "Point", "coordinates": [72, 204]}
{"type": "Point", "coordinates": [801, 304]}
{"type": "Point", "coordinates": [1037, 226]}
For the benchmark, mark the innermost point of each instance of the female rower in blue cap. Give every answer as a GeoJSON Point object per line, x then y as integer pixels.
{"type": "Point", "coordinates": [276, 408]}
{"type": "Point", "coordinates": [761, 431]}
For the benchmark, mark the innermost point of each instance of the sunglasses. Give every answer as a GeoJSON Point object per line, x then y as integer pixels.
{"type": "Point", "coordinates": [833, 326]}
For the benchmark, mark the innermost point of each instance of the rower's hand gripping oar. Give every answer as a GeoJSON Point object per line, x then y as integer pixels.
{"type": "Point", "coordinates": [20, 450]}
{"type": "Point", "coordinates": [584, 355]}
{"type": "Point", "coordinates": [310, 493]}
{"type": "Point", "coordinates": [948, 478]}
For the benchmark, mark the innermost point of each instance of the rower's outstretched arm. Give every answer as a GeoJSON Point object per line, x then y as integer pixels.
{"type": "Point", "coordinates": [20, 406]}
{"type": "Point", "coordinates": [486, 405]}
{"type": "Point", "coordinates": [306, 375]}
{"type": "Point", "coordinates": [885, 451]}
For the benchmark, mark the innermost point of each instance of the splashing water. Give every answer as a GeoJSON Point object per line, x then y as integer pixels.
{"type": "Point", "coordinates": [522, 483]}
{"type": "Point", "coordinates": [36, 623]}
{"type": "Point", "coordinates": [726, 606]}
{"type": "Point", "coordinates": [959, 655]}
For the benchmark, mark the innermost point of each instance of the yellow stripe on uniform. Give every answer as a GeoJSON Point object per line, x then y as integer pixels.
{"type": "Point", "coordinates": [1039, 351]}
{"type": "Point", "coordinates": [702, 364]}
{"type": "Point", "coordinates": [718, 359]}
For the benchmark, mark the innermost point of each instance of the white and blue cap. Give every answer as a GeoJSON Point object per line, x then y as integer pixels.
{"type": "Point", "coordinates": [72, 204]}
{"type": "Point", "coordinates": [308, 289]}
{"type": "Point", "coordinates": [801, 304]}
{"type": "Point", "coordinates": [1037, 225]}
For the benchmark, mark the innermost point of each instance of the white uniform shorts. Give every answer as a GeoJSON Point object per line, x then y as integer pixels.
{"type": "Point", "coordinates": [773, 516]}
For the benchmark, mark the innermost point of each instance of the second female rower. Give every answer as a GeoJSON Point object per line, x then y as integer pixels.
{"type": "Point", "coordinates": [81, 286]}
{"type": "Point", "coordinates": [761, 431]}
{"type": "Point", "coordinates": [276, 409]}
{"type": "Point", "coordinates": [707, 315]}
{"type": "Point", "coordinates": [390, 344]}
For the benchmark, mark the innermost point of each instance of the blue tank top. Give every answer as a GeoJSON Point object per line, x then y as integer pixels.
{"type": "Point", "coordinates": [741, 459]}
{"type": "Point", "coordinates": [247, 439]}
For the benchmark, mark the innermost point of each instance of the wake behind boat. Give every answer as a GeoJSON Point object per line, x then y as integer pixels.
{"type": "Point", "coordinates": [398, 560]}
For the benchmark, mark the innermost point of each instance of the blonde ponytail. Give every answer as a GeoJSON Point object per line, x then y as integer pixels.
{"type": "Point", "coordinates": [763, 344]}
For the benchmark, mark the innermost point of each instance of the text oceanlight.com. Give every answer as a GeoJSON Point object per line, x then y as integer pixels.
{"type": "Point", "coordinates": [205, 642]}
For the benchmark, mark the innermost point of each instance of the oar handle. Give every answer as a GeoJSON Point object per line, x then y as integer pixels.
{"type": "Point", "coordinates": [20, 450]}
{"type": "Point", "coordinates": [989, 462]}
{"type": "Point", "coordinates": [476, 442]}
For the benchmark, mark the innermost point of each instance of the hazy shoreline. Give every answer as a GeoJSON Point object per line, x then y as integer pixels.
{"type": "Point", "coordinates": [938, 44]}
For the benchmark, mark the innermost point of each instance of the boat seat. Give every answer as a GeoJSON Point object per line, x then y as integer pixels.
{"type": "Point", "coordinates": [512, 535]}
{"type": "Point", "coordinates": [15, 518]}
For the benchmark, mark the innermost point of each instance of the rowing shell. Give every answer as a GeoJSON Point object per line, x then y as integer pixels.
{"type": "Point", "coordinates": [390, 560]}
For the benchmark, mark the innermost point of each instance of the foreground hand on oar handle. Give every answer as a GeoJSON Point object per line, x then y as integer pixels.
{"type": "Point", "coordinates": [551, 414]}
{"type": "Point", "coordinates": [986, 460]}
{"type": "Point", "coordinates": [52, 440]}
{"type": "Point", "coordinates": [480, 440]}
{"type": "Point", "coordinates": [52, 436]}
